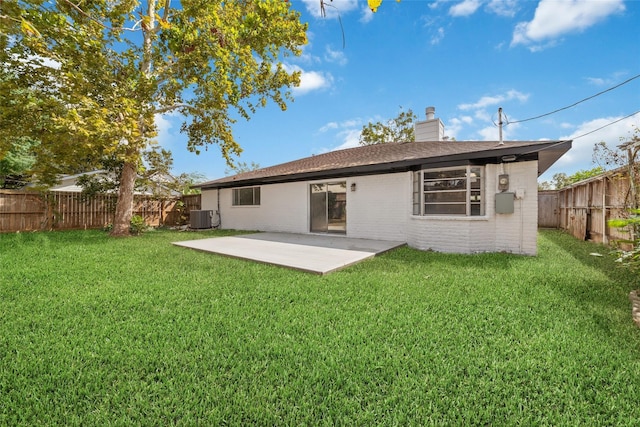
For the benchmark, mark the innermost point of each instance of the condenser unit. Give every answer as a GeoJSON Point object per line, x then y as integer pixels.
{"type": "Point", "coordinates": [201, 219]}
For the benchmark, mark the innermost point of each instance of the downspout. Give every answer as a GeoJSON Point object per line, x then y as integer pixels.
{"type": "Point", "coordinates": [219, 214]}
{"type": "Point", "coordinates": [500, 126]}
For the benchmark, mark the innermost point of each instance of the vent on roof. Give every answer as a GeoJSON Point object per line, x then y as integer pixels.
{"type": "Point", "coordinates": [200, 219]}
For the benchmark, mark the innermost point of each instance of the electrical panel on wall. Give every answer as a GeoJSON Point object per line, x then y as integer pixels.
{"type": "Point", "coordinates": [504, 203]}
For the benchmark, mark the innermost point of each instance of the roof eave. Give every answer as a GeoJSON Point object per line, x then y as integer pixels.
{"type": "Point", "coordinates": [553, 151]}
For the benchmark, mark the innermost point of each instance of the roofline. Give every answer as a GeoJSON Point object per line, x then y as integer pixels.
{"type": "Point", "coordinates": [524, 153]}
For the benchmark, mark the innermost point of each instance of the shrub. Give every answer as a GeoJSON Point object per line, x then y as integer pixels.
{"type": "Point", "coordinates": [629, 257]}
{"type": "Point", "coordinates": [137, 225]}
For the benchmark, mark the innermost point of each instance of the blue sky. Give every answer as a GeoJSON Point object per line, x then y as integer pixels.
{"type": "Point", "coordinates": [465, 58]}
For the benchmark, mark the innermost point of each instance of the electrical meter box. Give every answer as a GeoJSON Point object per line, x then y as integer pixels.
{"type": "Point", "coordinates": [504, 203]}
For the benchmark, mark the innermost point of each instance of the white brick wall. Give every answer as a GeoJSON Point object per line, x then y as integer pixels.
{"type": "Point", "coordinates": [283, 207]}
{"type": "Point", "coordinates": [516, 233]}
{"type": "Point", "coordinates": [380, 208]}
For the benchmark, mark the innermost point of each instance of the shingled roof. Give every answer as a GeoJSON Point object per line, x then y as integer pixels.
{"type": "Point", "coordinates": [397, 157]}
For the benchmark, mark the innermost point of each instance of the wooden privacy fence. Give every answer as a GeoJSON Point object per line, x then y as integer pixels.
{"type": "Point", "coordinates": [30, 211]}
{"type": "Point", "coordinates": [584, 208]}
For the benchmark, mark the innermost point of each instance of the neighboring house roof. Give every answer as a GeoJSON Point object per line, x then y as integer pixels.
{"type": "Point", "coordinates": [397, 157]}
{"type": "Point", "coordinates": [69, 183]}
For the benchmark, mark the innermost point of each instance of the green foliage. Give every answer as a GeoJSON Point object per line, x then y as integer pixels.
{"type": "Point", "coordinates": [93, 335]}
{"type": "Point", "coordinates": [561, 180]}
{"type": "Point", "coordinates": [93, 76]}
{"type": "Point", "coordinates": [630, 256]}
{"type": "Point", "coordinates": [625, 155]}
{"type": "Point", "coordinates": [184, 181]}
{"type": "Point", "coordinates": [137, 225]}
{"type": "Point", "coordinates": [16, 163]}
{"type": "Point", "coordinates": [398, 129]}
{"type": "Point", "coordinates": [242, 167]}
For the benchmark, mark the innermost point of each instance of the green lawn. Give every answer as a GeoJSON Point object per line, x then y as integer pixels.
{"type": "Point", "coordinates": [101, 331]}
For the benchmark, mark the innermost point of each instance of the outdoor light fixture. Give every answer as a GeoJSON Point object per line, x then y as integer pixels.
{"type": "Point", "coordinates": [353, 186]}
{"type": "Point", "coordinates": [509, 158]}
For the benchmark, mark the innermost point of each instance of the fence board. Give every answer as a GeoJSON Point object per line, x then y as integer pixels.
{"type": "Point", "coordinates": [548, 209]}
{"type": "Point", "coordinates": [585, 208]}
{"type": "Point", "coordinates": [30, 211]}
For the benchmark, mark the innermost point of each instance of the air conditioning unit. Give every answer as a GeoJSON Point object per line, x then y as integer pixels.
{"type": "Point", "coordinates": [201, 219]}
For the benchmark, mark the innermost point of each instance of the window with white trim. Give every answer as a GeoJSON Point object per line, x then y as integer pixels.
{"type": "Point", "coordinates": [449, 191]}
{"type": "Point", "coordinates": [248, 196]}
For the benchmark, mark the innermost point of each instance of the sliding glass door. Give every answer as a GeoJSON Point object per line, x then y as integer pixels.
{"type": "Point", "coordinates": [328, 207]}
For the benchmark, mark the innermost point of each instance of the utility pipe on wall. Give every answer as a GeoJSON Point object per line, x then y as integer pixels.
{"type": "Point", "coordinates": [500, 125]}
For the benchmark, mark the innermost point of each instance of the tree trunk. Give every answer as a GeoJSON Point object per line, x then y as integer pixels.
{"type": "Point", "coordinates": [124, 206]}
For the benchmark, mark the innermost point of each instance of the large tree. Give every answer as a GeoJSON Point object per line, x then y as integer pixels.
{"type": "Point", "coordinates": [114, 65]}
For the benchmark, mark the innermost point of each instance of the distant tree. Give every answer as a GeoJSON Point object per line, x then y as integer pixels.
{"type": "Point", "coordinates": [626, 155]}
{"type": "Point", "coordinates": [185, 182]}
{"type": "Point", "coordinates": [398, 129]}
{"type": "Point", "coordinates": [154, 175]}
{"type": "Point", "coordinates": [241, 167]}
{"type": "Point", "coordinates": [561, 179]}
{"type": "Point", "coordinates": [114, 65]}
{"type": "Point", "coordinates": [545, 185]}
{"type": "Point", "coordinates": [16, 163]}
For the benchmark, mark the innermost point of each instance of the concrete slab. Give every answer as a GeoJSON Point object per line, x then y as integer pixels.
{"type": "Point", "coordinates": [312, 253]}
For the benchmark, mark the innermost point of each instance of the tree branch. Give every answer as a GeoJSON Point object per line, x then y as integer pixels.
{"type": "Point", "coordinates": [175, 107]}
{"type": "Point", "coordinates": [85, 14]}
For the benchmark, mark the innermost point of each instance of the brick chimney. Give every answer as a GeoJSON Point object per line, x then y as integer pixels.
{"type": "Point", "coordinates": [431, 129]}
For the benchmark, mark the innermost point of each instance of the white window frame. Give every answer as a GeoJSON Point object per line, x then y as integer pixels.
{"type": "Point", "coordinates": [255, 199]}
{"type": "Point", "coordinates": [471, 195]}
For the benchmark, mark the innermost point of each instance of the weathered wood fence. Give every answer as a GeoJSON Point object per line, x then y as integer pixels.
{"type": "Point", "coordinates": [30, 211]}
{"type": "Point", "coordinates": [584, 208]}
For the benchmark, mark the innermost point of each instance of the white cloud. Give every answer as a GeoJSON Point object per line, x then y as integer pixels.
{"type": "Point", "coordinates": [465, 8]}
{"type": "Point", "coordinates": [344, 125]}
{"type": "Point", "coordinates": [313, 80]}
{"type": "Point", "coordinates": [437, 37]}
{"type": "Point", "coordinates": [507, 8]}
{"type": "Point", "coordinates": [437, 3]}
{"type": "Point", "coordinates": [350, 138]}
{"type": "Point", "coordinates": [40, 61]}
{"type": "Point", "coordinates": [331, 8]}
{"type": "Point", "coordinates": [596, 81]}
{"type": "Point", "coordinates": [487, 101]}
{"type": "Point", "coordinates": [554, 18]}
{"type": "Point", "coordinates": [490, 133]}
{"type": "Point", "coordinates": [614, 79]}
{"type": "Point", "coordinates": [480, 122]}
{"type": "Point", "coordinates": [455, 125]}
{"type": "Point", "coordinates": [366, 14]}
{"type": "Point", "coordinates": [335, 56]}
{"type": "Point", "coordinates": [329, 126]}
{"type": "Point", "coordinates": [168, 127]}
{"type": "Point", "coordinates": [580, 157]}
{"type": "Point", "coordinates": [310, 80]}
{"type": "Point", "coordinates": [346, 133]}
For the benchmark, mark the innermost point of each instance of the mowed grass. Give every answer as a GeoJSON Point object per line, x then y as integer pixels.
{"type": "Point", "coordinates": [102, 331]}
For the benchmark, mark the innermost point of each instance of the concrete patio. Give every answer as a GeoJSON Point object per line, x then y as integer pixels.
{"type": "Point", "coordinates": [319, 254]}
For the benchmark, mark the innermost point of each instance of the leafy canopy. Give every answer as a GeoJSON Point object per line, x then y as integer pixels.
{"type": "Point", "coordinates": [398, 129]}
{"type": "Point", "coordinates": [88, 78]}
